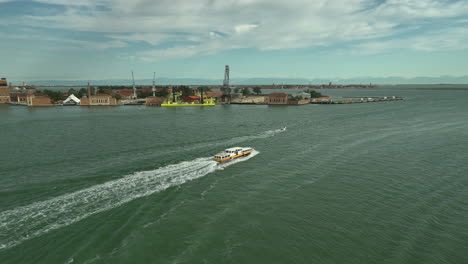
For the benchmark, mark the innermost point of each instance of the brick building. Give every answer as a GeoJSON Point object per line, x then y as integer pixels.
{"type": "Point", "coordinates": [154, 101]}
{"type": "Point", "coordinates": [98, 99]}
{"type": "Point", "coordinates": [4, 91]}
{"type": "Point", "coordinates": [278, 98]}
{"type": "Point", "coordinates": [35, 100]}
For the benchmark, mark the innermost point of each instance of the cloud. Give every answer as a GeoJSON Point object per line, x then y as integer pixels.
{"type": "Point", "coordinates": [240, 29]}
{"type": "Point", "coordinates": [451, 39]}
{"type": "Point", "coordinates": [209, 26]}
{"type": "Point", "coordinates": [69, 43]}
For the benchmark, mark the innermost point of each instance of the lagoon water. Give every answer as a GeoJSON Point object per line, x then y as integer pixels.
{"type": "Point", "coordinates": [361, 183]}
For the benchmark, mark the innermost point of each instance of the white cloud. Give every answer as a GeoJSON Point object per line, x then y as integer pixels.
{"type": "Point", "coordinates": [218, 25]}
{"type": "Point", "coordinates": [451, 39]}
{"type": "Point", "coordinates": [240, 29]}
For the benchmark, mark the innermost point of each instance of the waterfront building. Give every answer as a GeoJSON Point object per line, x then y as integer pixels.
{"type": "Point", "coordinates": [38, 100]}
{"type": "Point", "coordinates": [125, 93]}
{"type": "Point", "coordinates": [19, 98]}
{"type": "Point", "coordinates": [4, 91]}
{"type": "Point", "coordinates": [286, 99]}
{"type": "Point", "coordinates": [154, 101]}
{"type": "Point", "coordinates": [215, 94]}
{"type": "Point", "coordinates": [98, 100]}
{"type": "Point", "coordinates": [278, 98]}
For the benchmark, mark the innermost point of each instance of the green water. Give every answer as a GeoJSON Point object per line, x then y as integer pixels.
{"type": "Point", "coordinates": [363, 183]}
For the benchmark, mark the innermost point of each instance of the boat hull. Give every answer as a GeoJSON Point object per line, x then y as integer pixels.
{"type": "Point", "coordinates": [233, 157]}
{"type": "Point", "coordinates": [186, 104]}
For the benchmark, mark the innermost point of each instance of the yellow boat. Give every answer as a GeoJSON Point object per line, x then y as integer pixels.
{"type": "Point", "coordinates": [232, 153]}
{"type": "Point", "coordinates": [176, 102]}
{"type": "Point", "coordinates": [207, 102]}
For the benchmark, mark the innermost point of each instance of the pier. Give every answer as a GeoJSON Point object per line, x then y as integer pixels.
{"type": "Point", "coordinates": [358, 100]}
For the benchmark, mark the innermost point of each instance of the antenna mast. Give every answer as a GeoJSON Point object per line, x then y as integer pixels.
{"type": "Point", "coordinates": [134, 87]}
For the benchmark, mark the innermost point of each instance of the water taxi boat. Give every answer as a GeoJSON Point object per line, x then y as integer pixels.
{"type": "Point", "coordinates": [232, 153]}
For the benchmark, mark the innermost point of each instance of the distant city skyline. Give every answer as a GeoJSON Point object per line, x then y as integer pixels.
{"type": "Point", "coordinates": [297, 39]}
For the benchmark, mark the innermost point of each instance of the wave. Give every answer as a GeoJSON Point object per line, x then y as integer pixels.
{"type": "Point", "coordinates": [30, 221]}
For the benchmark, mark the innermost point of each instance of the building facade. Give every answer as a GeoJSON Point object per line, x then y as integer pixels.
{"type": "Point", "coordinates": [4, 91]}
{"type": "Point", "coordinates": [278, 98]}
{"type": "Point", "coordinates": [34, 100]}
{"type": "Point", "coordinates": [98, 99]}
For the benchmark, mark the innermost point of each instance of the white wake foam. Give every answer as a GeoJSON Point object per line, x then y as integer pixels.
{"type": "Point", "coordinates": [27, 222]}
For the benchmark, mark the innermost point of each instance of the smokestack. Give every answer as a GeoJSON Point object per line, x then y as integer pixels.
{"type": "Point", "coordinates": [201, 95]}
{"type": "Point", "coordinates": [89, 90]}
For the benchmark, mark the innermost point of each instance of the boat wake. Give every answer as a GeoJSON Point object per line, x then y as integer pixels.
{"type": "Point", "coordinates": [30, 221]}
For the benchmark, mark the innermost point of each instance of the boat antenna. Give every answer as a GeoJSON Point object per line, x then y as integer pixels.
{"type": "Point", "coordinates": [154, 83]}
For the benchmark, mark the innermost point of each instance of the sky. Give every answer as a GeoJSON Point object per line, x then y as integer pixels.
{"type": "Point", "coordinates": [107, 39]}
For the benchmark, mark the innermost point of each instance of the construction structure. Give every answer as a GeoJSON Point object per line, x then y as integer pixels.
{"type": "Point", "coordinates": [154, 84]}
{"type": "Point", "coordinates": [226, 78]}
{"type": "Point", "coordinates": [134, 88]}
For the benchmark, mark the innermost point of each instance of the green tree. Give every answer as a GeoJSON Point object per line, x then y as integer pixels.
{"type": "Point", "coordinates": [72, 91]}
{"type": "Point", "coordinates": [257, 90]}
{"type": "Point", "coordinates": [162, 92]}
{"type": "Point", "coordinates": [236, 90]}
{"type": "Point", "coordinates": [246, 91]}
{"type": "Point", "coordinates": [144, 93]}
{"type": "Point", "coordinates": [82, 92]}
{"type": "Point", "coordinates": [205, 88]}
{"type": "Point", "coordinates": [55, 96]}
{"type": "Point", "coordinates": [117, 96]}
{"type": "Point", "coordinates": [314, 94]}
{"type": "Point", "coordinates": [186, 91]}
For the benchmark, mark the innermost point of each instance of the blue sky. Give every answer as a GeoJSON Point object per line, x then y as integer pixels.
{"type": "Point", "coordinates": [106, 39]}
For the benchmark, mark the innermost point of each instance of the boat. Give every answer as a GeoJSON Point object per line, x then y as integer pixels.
{"type": "Point", "coordinates": [283, 129]}
{"type": "Point", "coordinates": [200, 100]}
{"type": "Point", "coordinates": [207, 102]}
{"type": "Point", "coordinates": [232, 153]}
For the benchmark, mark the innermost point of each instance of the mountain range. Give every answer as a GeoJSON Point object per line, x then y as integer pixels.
{"type": "Point", "coordinates": [260, 81]}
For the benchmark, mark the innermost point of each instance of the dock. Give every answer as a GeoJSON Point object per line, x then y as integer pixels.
{"type": "Point", "coordinates": [359, 100]}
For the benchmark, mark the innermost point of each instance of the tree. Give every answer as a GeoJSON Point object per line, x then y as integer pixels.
{"type": "Point", "coordinates": [55, 96]}
{"type": "Point", "coordinates": [246, 91]}
{"type": "Point", "coordinates": [117, 96]}
{"type": "Point", "coordinates": [144, 93]}
{"type": "Point", "coordinates": [72, 91]}
{"type": "Point", "coordinates": [257, 90]}
{"type": "Point", "coordinates": [81, 93]}
{"type": "Point", "coordinates": [314, 94]}
{"type": "Point", "coordinates": [236, 90]}
{"type": "Point", "coordinates": [162, 93]}
{"type": "Point", "coordinates": [205, 88]}
{"type": "Point", "coordinates": [186, 91]}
